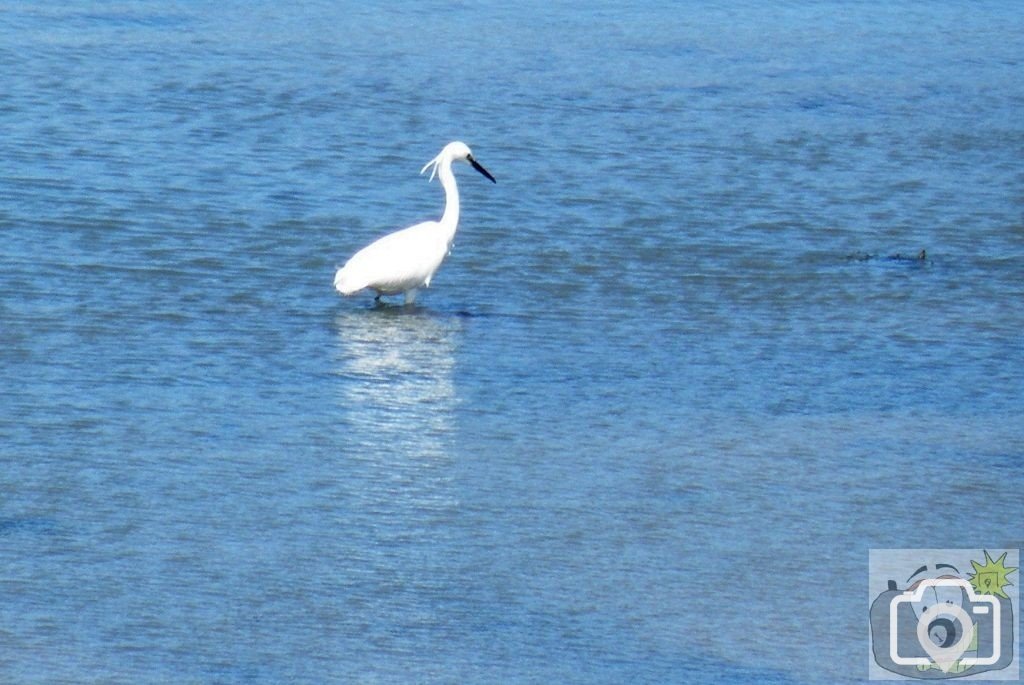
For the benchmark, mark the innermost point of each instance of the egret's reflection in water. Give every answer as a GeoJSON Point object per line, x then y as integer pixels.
{"type": "Point", "coordinates": [398, 399]}
{"type": "Point", "coordinates": [397, 366]}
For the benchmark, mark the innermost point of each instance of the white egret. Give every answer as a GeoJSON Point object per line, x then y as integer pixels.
{"type": "Point", "coordinates": [404, 261]}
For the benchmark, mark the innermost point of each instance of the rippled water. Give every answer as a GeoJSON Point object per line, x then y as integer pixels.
{"type": "Point", "coordinates": [665, 394]}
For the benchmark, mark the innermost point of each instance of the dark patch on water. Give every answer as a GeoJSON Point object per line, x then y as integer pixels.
{"type": "Point", "coordinates": [919, 258]}
{"type": "Point", "coordinates": [28, 524]}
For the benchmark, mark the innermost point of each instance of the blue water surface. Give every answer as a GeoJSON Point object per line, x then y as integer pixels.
{"type": "Point", "coordinates": [682, 370]}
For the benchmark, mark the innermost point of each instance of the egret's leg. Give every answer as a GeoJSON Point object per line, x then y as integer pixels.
{"type": "Point", "coordinates": [410, 296]}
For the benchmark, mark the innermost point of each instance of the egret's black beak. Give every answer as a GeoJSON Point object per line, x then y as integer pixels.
{"type": "Point", "coordinates": [476, 165]}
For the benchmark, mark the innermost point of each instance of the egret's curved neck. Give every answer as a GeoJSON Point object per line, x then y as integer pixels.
{"type": "Point", "coordinates": [450, 219]}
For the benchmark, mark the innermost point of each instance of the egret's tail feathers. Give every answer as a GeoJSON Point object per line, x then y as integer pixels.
{"type": "Point", "coordinates": [346, 283]}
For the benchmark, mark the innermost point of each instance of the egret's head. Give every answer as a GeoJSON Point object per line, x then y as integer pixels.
{"type": "Point", "coordinates": [456, 151]}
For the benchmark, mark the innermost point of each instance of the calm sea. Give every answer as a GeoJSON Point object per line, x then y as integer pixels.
{"type": "Point", "coordinates": [668, 390]}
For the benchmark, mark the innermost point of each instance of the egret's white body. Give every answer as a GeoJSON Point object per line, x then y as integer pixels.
{"type": "Point", "coordinates": [403, 261]}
